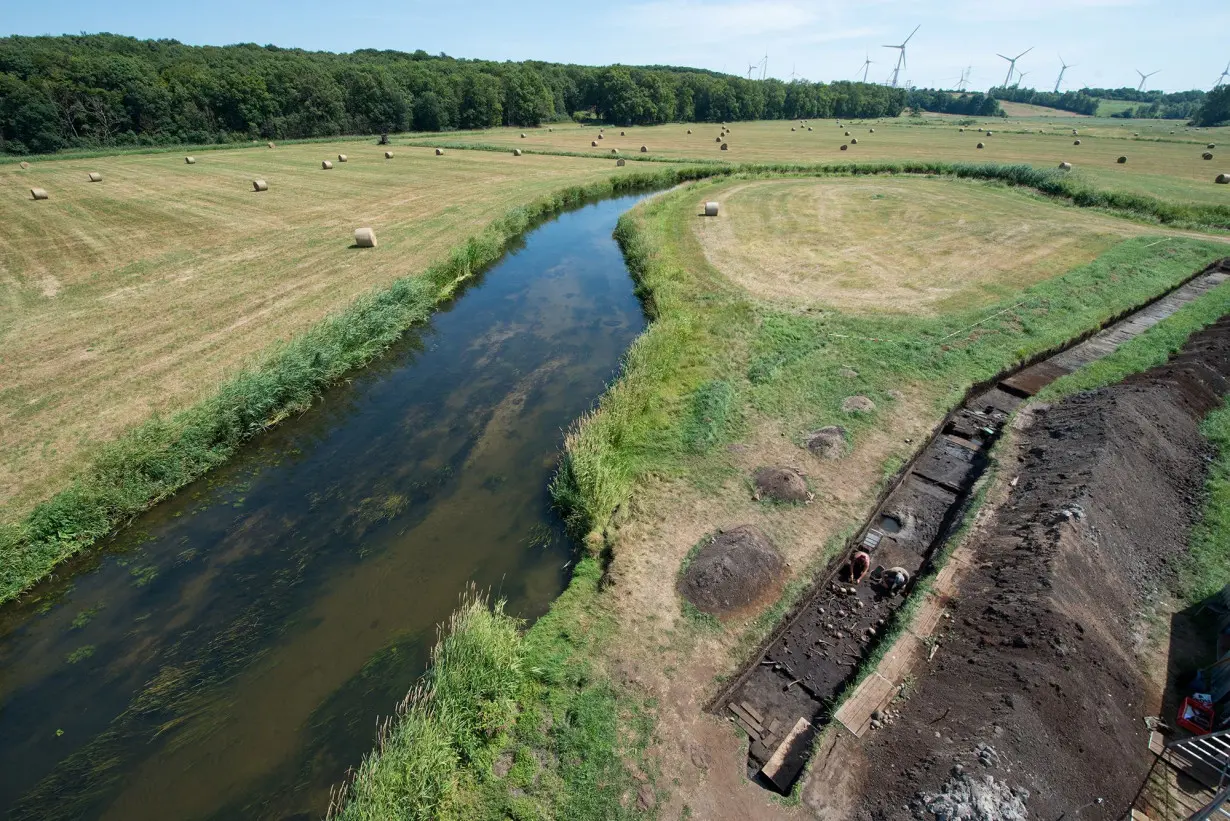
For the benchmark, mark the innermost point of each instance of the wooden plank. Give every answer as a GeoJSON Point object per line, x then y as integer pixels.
{"type": "Point", "coordinates": [785, 763]}
{"type": "Point", "coordinates": [746, 719]}
{"type": "Point", "coordinates": [751, 711]}
{"type": "Point", "coordinates": [855, 712]}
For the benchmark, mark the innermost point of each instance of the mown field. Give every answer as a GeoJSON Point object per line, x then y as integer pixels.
{"type": "Point", "coordinates": [139, 294]}
{"type": "Point", "coordinates": [1159, 164]}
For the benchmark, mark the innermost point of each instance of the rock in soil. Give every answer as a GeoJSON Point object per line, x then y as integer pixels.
{"type": "Point", "coordinates": [780, 485]}
{"type": "Point", "coordinates": [973, 798]}
{"type": "Point", "coordinates": [738, 569]}
{"type": "Point", "coordinates": [828, 443]}
{"type": "Point", "coordinates": [857, 404]}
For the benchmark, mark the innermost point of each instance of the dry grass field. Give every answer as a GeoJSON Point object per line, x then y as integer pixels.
{"type": "Point", "coordinates": [139, 294]}
{"type": "Point", "coordinates": [1170, 169]}
{"type": "Point", "coordinates": [890, 245]}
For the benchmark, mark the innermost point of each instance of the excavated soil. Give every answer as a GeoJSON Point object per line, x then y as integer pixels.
{"type": "Point", "coordinates": [739, 569]}
{"type": "Point", "coordinates": [1040, 662]}
{"type": "Point", "coordinates": [828, 443]}
{"type": "Point", "coordinates": [780, 485]}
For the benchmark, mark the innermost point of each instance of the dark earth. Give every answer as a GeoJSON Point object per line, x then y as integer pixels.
{"type": "Point", "coordinates": [1042, 661]}
{"type": "Point", "coordinates": [780, 484]}
{"type": "Point", "coordinates": [737, 570]}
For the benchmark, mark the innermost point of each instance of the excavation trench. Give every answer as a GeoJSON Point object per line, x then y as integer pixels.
{"type": "Point", "coordinates": [228, 655]}
{"type": "Point", "coordinates": [787, 691]}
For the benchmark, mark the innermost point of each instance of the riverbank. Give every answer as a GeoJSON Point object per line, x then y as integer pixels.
{"type": "Point", "coordinates": [722, 383]}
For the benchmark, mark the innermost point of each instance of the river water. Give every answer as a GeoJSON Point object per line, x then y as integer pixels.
{"type": "Point", "coordinates": [228, 655]}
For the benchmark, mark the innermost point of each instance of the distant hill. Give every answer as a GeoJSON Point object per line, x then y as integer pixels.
{"type": "Point", "coordinates": [1027, 110]}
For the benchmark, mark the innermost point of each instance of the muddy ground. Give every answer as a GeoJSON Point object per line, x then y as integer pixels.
{"type": "Point", "coordinates": [1041, 680]}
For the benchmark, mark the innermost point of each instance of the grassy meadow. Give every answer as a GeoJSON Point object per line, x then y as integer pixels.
{"type": "Point", "coordinates": [1159, 164]}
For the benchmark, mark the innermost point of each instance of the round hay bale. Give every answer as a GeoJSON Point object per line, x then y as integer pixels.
{"type": "Point", "coordinates": [737, 570]}
{"type": "Point", "coordinates": [725, 147]}
{"type": "Point", "coordinates": [341, 158]}
{"type": "Point", "coordinates": [621, 162]}
{"type": "Point", "coordinates": [871, 130]}
{"type": "Point", "coordinates": [857, 404]}
{"type": "Point", "coordinates": [94, 176]}
{"type": "Point", "coordinates": [854, 141]}
{"type": "Point", "coordinates": [439, 152]}
{"type": "Point", "coordinates": [961, 130]}
{"type": "Point", "coordinates": [689, 131]}
{"type": "Point", "coordinates": [38, 194]}
{"type": "Point", "coordinates": [847, 133]}
{"type": "Point", "coordinates": [600, 136]}
{"type": "Point", "coordinates": [1121, 160]}
{"type": "Point", "coordinates": [614, 150]}
{"type": "Point", "coordinates": [719, 139]}
{"type": "Point", "coordinates": [623, 134]}
{"type": "Point", "coordinates": [844, 147]}
{"type": "Point", "coordinates": [1210, 146]}
{"type": "Point", "coordinates": [644, 149]}
{"type": "Point", "coordinates": [711, 209]}
{"type": "Point", "coordinates": [24, 165]}
{"type": "Point", "coordinates": [260, 185]}
{"type": "Point", "coordinates": [364, 238]}
{"type": "Point", "coordinates": [593, 143]}
{"type": "Point", "coordinates": [809, 128]}
{"type": "Point", "coordinates": [325, 165]}
{"type": "Point", "coordinates": [828, 442]}
{"type": "Point", "coordinates": [269, 145]}
{"type": "Point", "coordinates": [516, 152]}
{"type": "Point", "coordinates": [792, 128]}
{"type": "Point", "coordinates": [523, 135]}
{"type": "Point", "coordinates": [1208, 155]}
{"type": "Point", "coordinates": [780, 484]}
{"type": "Point", "coordinates": [1223, 179]}
{"type": "Point", "coordinates": [190, 160]}
{"type": "Point", "coordinates": [989, 133]}
{"type": "Point", "coordinates": [1074, 132]}
{"type": "Point", "coordinates": [1076, 142]}
{"type": "Point", "coordinates": [388, 155]}
{"type": "Point", "coordinates": [1065, 166]}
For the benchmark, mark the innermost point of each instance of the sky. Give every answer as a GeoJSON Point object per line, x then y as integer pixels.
{"type": "Point", "coordinates": [1105, 41]}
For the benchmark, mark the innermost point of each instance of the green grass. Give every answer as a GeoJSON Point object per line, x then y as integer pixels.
{"type": "Point", "coordinates": [1206, 569]}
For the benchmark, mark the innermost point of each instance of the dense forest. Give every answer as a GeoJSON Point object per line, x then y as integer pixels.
{"type": "Point", "coordinates": [973, 104]}
{"type": "Point", "coordinates": [1180, 105]}
{"type": "Point", "coordinates": [109, 90]}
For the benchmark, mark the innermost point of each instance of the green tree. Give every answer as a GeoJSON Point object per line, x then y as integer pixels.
{"type": "Point", "coordinates": [1215, 109]}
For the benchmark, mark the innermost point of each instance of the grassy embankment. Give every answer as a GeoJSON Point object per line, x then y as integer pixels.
{"type": "Point", "coordinates": [716, 364]}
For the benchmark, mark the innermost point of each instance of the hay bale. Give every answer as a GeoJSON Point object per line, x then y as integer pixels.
{"type": "Point", "coordinates": [711, 209]}
{"type": "Point", "coordinates": [95, 176]}
{"type": "Point", "coordinates": [1121, 160]}
{"type": "Point", "coordinates": [1223, 179]}
{"type": "Point", "coordinates": [1074, 132]}
{"type": "Point", "coordinates": [871, 131]}
{"type": "Point", "coordinates": [38, 193]}
{"type": "Point", "coordinates": [600, 135]}
{"type": "Point", "coordinates": [325, 165]}
{"type": "Point", "coordinates": [988, 133]}
{"type": "Point", "coordinates": [980, 145]}
{"type": "Point", "coordinates": [388, 155]}
{"type": "Point", "coordinates": [809, 128]}
{"type": "Point", "coordinates": [1076, 142]}
{"type": "Point", "coordinates": [854, 141]}
{"type": "Point", "coordinates": [844, 147]}
{"type": "Point", "coordinates": [190, 160]}
{"type": "Point", "coordinates": [644, 149]}
{"type": "Point", "coordinates": [364, 238]}
{"type": "Point", "coordinates": [620, 163]}
{"type": "Point", "coordinates": [792, 128]}
{"type": "Point", "coordinates": [516, 152]}
{"type": "Point", "coordinates": [623, 134]}
{"type": "Point", "coordinates": [341, 158]}
{"type": "Point", "coordinates": [689, 131]}
{"type": "Point", "coordinates": [1210, 146]}
{"type": "Point", "coordinates": [614, 150]}
{"type": "Point", "coordinates": [719, 139]}
{"type": "Point", "coordinates": [961, 130]}
{"type": "Point", "coordinates": [725, 147]}
{"type": "Point", "coordinates": [260, 185]}
{"type": "Point", "coordinates": [24, 165]}
{"type": "Point", "coordinates": [1208, 155]}
{"type": "Point", "coordinates": [549, 130]}
{"type": "Point", "coordinates": [1065, 166]}
{"type": "Point", "coordinates": [847, 133]}
{"type": "Point", "coordinates": [593, 143]}
{"type": "Point", "coordinates": [269, 145]}
{"type": "Point", "coordinates": [523, 135]}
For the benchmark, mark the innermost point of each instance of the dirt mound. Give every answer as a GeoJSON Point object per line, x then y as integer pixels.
{"type": "Point", "coordinates": [828, 443]}
{"type": "Point", "coordinates": [976, 798]}
{"type": "Point", "coordinates": [857, 404]}
{"type": "Point", "coordinates": [737, 570]}
{"type": "Point", "coordinates": [1042, 654]}
{"type": "Point", "coordinates": [781, 485]}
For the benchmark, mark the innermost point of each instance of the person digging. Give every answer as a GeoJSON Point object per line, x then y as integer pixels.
{"type": "Point", "coordinates": [860, 565]}
{"type": "Point", "coordinates": [895, 579]}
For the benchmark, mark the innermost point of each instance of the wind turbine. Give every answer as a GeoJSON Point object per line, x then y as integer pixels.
{"type": "Point", "coordinates": [901, 56]}
{"type": "Point", "coordinates": [964, 78]}
{"type": "Point", "coordinates": [866, 66]}
{"type": "Point", "coordinates": [1012, 64]}
{"type": "Point", "coordinates": [1225, 73]}
{"type": "Point", "coordinates": [1063, 67]}
{"type": "Point", "coordinates": [1144, 77]}
{"type": "Point", "coordinates": [1020, 75]}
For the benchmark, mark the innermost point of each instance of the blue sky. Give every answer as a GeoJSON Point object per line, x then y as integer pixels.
{"type": "Point", "coordinates": [1106, 40]}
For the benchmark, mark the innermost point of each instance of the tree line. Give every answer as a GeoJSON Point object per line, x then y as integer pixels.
{"type": "Point", "coordinates": [972, 104]}
{"type": "Point", "coordinates": [1179, 105]}
{"type": "Point", "coordinates": [109, 90]}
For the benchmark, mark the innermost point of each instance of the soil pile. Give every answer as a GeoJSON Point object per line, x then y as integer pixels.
{"type": "Point", "coordinates": [1041, 658]}
{"type": "Point", "coordinates": [738, 569]}
{"type": "Point", "coordinates": [780, 485]}
{"type": "Point", "coordinates": [828, 443]}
